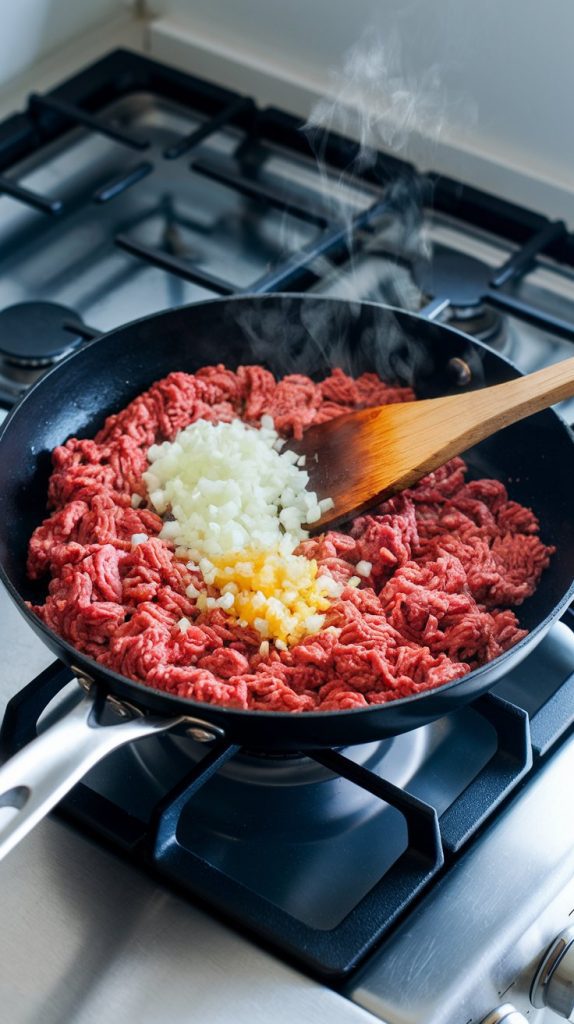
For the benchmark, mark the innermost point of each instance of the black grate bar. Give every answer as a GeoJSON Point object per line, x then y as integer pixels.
{"type": "Point", "coordinates": [508, 765]}
{"type": "Point", "coordinates": [434, 308]}
{"type": "Point", "coordinates": [174, 265]}
{"type": "Point", "coordinates": [225, 116]}
{"type": "Point", "coordinates": [122, 182]}
{"type": "Point", "coordinates": [168, 811]}
{"type": "Point", "coordinates": [335, 150]}
{"type": "Point", "coordinates": [523, 310]}
{"type": "Point", "coordinates": [34, 199]}
{"type": "Point", "coordinates": [83, 330]}
{"type": "Point", "coordinates": [421, 818]}
{"type": "Point", "coordinates": [299, 263]}
{"type": "Point", "coordinates": [38, 103]}
{"type": "Point", "coordinates": [328, 242]}
{"type": "Point", "coordinates": [226, 173]}
{"type": "Point", "coordinates": [522, 261]}
{"type": "Point", "coordinates": [24, 709]}
{"type": "Point", "coordinates": [486, 211]}
{"type": "Point", "coordinates": [554, 718]}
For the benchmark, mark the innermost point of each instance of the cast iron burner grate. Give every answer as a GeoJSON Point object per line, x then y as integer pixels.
{"type": "Point", "coordinates": [164, 836]}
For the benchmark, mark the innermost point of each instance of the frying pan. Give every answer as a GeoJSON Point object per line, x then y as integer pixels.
{"type": "Point", "coordinates": [288, 333]}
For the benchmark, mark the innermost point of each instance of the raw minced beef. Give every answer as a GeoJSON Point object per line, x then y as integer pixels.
{"type": "Point", "coordinates": [448, 557]}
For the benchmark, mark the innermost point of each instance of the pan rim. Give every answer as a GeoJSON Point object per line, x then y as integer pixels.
{"type": "Point", "coordinates": [171, 699]}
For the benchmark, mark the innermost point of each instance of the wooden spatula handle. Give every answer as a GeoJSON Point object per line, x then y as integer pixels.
{"type": "Point", "coordinates": [512, 401]}
{"type": "Point", "coordinates": [425, 434]}
{"type": "Point", "coordinates": [368, 455]}
{"type": "Point", "coordinates": [478, 414]}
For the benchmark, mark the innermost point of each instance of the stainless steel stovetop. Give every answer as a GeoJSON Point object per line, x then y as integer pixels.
{"type": "Point", "coordinates": [87, 936]}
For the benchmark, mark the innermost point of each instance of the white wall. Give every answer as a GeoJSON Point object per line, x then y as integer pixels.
{"type": "Point", "coordinates": [503, 71]}
{"type": "Point", "coordinates": [29, 29]}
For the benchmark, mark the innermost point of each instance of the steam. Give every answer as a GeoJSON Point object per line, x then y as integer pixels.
{"type": "Point", "coordinates": [310, 336]}
{"type": "Point", "coordinates": [376, 101]}
{"type": "Point", "coordinates": [384, 107]}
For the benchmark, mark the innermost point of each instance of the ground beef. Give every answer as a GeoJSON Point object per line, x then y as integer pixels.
{"type": "Point", "coordinates": [447, 556]}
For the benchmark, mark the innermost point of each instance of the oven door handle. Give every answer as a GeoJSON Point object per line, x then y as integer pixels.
{"type": "Point", "coordinates": [34, 780]}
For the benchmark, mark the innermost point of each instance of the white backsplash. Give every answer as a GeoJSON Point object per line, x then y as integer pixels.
{"type": "Point", "coordinates": [33, 28]}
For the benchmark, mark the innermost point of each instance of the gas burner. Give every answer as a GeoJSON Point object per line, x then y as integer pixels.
{"type": "Point", "coordinates": [249, 774]}
{"type": "Point", "coordinates": [483, 322]}
{"type": "Point", "coordinates": [35, 335]}
{"type": "Point", "coordinates": [463, 280]}
{"type": "Point", "coordinates": [290, 828]}
{"type": "Point", "coordinates": [455, 276]}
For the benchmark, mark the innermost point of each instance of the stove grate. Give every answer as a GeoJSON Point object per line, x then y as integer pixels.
{"type": "Point", "coordinates": [328, 953]}
{"type": "Point", "coordinates": [77, 102]}
{"type": "Point", "coordinates": [525, 311]}
{"type": "Point", "coordinates": [525, 258]}
{"type": "Point", "coordinates": [226, 117]}
{"type": "Point", "coordinates": [229, 173]}
{"type": "Point", "coordinates": [175, 265]}
{"type": "Point", "coordinates": [41, 107]}
{"type": "Point", "coordinates": [122, 182]}
{"type": "Point", "coordinates": [332, 242]}
{"type": "Point", "coordinates": [25, 195]}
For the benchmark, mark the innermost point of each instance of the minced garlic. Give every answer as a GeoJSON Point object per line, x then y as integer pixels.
{"type": "Point", "coordinates": [281, 596]}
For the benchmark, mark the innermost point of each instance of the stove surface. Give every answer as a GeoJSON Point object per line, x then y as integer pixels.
{"type": "Point", "coordinates": [103, 942]}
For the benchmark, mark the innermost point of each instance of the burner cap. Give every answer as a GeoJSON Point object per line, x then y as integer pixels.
{"type": "Point", "coordinates": [34, 333]}
{"type": "Point", "coordinates": [483, 322]}
{"type": "Point", "coordinates": [455, 276]}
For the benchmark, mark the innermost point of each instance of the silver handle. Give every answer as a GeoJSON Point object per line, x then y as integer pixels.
{"type": "Point", "coordinates": [37, 777]}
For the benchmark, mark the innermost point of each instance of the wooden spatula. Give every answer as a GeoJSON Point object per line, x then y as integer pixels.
{"type": "Point", "coordinates": [366, 456]}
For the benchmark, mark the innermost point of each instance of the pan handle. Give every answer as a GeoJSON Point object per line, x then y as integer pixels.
{"type": "Point", "coordinates": [40, 774]}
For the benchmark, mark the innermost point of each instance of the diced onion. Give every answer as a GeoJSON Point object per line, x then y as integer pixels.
{"type": "Point", "coordinates": [238, 508]}
{"type": "Point", "coordinates": [224, 484]}
{"type": "Point", "coordinates": [364, 568]}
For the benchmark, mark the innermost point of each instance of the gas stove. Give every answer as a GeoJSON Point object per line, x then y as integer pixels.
{"type": "Point", "coordinates": [404, 881]}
